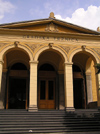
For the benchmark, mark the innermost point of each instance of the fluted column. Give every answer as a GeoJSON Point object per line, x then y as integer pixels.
{"type": "Point", "coordinates": [33, 86]}
{"type": "Point", "coordinates": [68, 81]}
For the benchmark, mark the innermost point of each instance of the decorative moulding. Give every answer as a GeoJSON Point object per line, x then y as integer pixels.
{"type": "Point", "coordinates": [51, 28]}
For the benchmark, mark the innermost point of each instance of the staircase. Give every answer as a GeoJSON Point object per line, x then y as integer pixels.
{"type": "Point", "coordinates": [24, 122]}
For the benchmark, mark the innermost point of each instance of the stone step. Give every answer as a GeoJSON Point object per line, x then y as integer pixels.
{"type": "Point", "coordinates": [47, 122]}
{"type": "Point", "coordinates": [16, 121]}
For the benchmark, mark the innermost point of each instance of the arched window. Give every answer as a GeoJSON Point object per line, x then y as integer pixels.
{"type": "Point", "coordinates": [18, 66]}
{"type": "Point", "coordinates": [46, 67]}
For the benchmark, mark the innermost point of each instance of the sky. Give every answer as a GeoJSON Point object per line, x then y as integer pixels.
{"type": "Point", "coordinates": [85, 13]}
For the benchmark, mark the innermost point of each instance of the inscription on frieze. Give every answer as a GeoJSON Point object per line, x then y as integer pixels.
{"type": "Point", "coordinates": [47, 38]}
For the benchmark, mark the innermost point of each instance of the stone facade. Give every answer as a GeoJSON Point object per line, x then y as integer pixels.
{"type": "Point", "coordinates": [73, 51]}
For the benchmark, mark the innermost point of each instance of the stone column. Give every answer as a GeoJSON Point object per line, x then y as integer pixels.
{"type": "Point", "coordinates": [61, 90]}
{"type": "Point", "coordinates": [68, 81]}
{"type": "Point", "coordinates": [33, 86]}
{"type": "Point", "coordinates": [3, 86]}
{"type": "Point", "coordinates": [89, 87]}
{"type": "Point", "coordinates": [1, 97]}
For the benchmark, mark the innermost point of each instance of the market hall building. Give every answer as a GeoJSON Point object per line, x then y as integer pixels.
{"type": "Point", "coordinates": [48, 64]}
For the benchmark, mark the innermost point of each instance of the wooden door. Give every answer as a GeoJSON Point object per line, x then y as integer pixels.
{"type": "Point", "coordinates": [46, 94]}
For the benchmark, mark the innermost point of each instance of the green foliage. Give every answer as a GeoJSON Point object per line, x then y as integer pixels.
{"type": "Point", "coordinates": [98, 67]}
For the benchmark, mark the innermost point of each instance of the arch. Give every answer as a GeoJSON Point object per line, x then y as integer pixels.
{"type": "Point", "coordinates": [87, 59]}
{"type": "Point", "coordinates": [60, 51]}
{"type": "Point", "coordinates": [87, 51]}
{"type": "Point", "coordinates": [17, 90]}
{"type": "Point", "coordinates": [19, 47]}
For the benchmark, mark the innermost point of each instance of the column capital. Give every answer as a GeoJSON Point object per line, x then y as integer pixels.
{"type": "Point", "coordinates": [33, 62]}
{"type": "Point", "coordinates": [68, 63]}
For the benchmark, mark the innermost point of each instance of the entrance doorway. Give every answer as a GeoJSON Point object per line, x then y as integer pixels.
{"type": "Point", "coordinates": [17, 89]}
{"type": "Point", "coordinates": [46, 94]}
{"type": "Point", "coordinates": [47, 78]}
{"type": "Point", "coordinates": [78, 94]}
{"type": "Point", "coordinates": [17, 93]}
{"type": "Point", "coordinates": [79, 88]}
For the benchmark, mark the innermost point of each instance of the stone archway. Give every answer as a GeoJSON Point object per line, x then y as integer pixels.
{"type": "Point", "coordinates": [4, 67]}
{"type": "Point", "coordinates": [16, 70]}
{"type": "Point", "coordinates": [17, 90]}
{"type": "Point", "coordinates": [87, 61]}
{"type": "Point", "coordinates": [51, 59]}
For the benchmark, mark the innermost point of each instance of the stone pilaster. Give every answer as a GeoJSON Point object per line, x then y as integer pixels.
{"type": "Point", "coordinates": [1, 97]}
{"type": "Point", "coordinates": [89, 87]}
{"type": "Point", "coordinates": [33, 86]}
{"type": "Point", "coordinates": [68, 81]}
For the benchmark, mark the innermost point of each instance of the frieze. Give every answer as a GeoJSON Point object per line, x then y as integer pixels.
{"type": "Point", "coordinates": [47, 38]}
{"type": "Point", "coordinates": [97, 50]}
{"type": "Point", "coordinates": [34, 46]}
{"type": "Point", "coordinates": [67, 48]}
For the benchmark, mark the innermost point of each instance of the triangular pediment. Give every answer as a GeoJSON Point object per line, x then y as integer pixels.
{"type": "Point", "coordinates": [49, 25]}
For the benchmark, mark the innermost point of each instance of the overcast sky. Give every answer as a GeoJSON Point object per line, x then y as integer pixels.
{"type": "Point", "coordinates": [85, 13]}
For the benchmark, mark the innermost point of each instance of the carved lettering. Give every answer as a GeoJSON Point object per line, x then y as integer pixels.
{"type": "Point", "coordinates": [49, 38]}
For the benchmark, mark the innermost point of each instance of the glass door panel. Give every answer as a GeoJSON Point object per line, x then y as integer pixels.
{"type": "Point", "coordinates": [42, 90]}
{"type": "Point", "coordinates": [50, 90]}
{"type": "Point", "coordinates": [47, 94]}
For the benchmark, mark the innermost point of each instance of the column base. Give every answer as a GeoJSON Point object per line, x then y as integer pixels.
{"type": "Point", "coordinates": [68, 109]}
{"type": "Point", "coordinates": [33, 108]}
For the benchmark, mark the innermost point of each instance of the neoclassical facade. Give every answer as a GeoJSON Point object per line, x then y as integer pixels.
{"type": "Point", "coordinates": [48, 64]}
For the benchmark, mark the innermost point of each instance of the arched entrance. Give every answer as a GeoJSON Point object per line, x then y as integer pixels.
{"type": "Point", "coordinates": [51, 80]}
{"type": "Point", "coordinates": [47, 77]}
{"type": "Point", "coordinates": [84, 80]}
{"type": "Point", "coordinates": [16, 63]}
{"type": "Point", "coordinates": [17, 92]}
